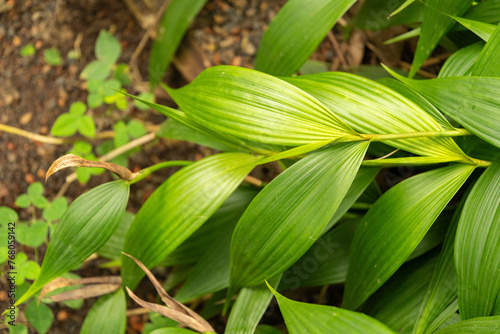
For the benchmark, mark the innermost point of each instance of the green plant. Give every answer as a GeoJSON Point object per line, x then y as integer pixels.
{"type": "Point", "coordinates": [323, 220]}
{"type": "Point", "coordinates": [52, 57]}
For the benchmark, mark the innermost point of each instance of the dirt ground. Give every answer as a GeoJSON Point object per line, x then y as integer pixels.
{"type": "Point", "coordinates": [33, 94]}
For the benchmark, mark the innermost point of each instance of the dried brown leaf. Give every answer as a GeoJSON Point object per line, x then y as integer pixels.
{"type": "Point", "coordinates": [61, 282]}
{"type": "Point", "coordinates": [72, 160]}
{"type": "Point", "coordinates": [175, 308]}
{"type": "Point", "coordinates": [85, 292]}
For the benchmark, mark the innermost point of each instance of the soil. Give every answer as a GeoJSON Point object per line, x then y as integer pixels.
{"type": "Point", "coordinates": [33, 94]}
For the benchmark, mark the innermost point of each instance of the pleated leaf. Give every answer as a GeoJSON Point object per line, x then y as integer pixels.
{"type": "Point", "coordinates": [285, 218]}
{"type": "Point", "coordinates": [477, 247]}
{"type": "Point", "coordinates": [481, 29]}
{"type": "Point", "coordinates": [461, 62]}
{"type": "Point", "coordinates": [441, 301]}
{"type": "Point", "coordinates": [172, 330]}
{"type": "Point", "coordinates": [255, 106]}
{"type": "Point", "coordinates": [249, 308]}
{"type": "Point", "coordinates": [303, 318]}
{"type": "Point", "coordinates": [379, 14]}
{"type": "Point", "coordinates": [173, 25]}
{"type": "Point", "coordinates": [435, 25]}
{"type": "Point", "coordinates": [370, 107]}
{"type": "Point", "coordinates": [325, 262]}
{"type": "Point", "coordinates": [194, 247]}
{"type": "Point", "coordinates": [107, 315]}
{"type": "Point", "coordinates": [473, 102]}
{"type": "Point", "coordinates": [395, 225]}
{"type": "Point", "coordinates": [488, 64]}
{"type": "Point", "coordinates": [397, 303]}
{"type": "Point", "coordinates": [296, 32]}
{"type": "Point", "coordinates": [85, 226]}
{"type": "Point", "coordinates": [179, 207]}
{"type": "Point", "coordinates": [484, 325]}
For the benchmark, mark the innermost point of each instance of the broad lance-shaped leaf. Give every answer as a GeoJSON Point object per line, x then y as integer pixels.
{"type": "Point", "coordinates": [477, 247]}
{"type": "Point", "coordinates": [481, 29]}
{"type": "Point", "coordinates": [488, 64]}
{"type": "Point", "coordinates": [483, 325]}
{"type": "Point", "coordinates": [86, 225]}
{"type": "Point", "coordinates": [173, 25]}
{"type": "Point", "coordinates": [296, 32]}
{"type": "Point", "coordinates": [441, 301]}
{"type": "Point", "coordinates": [285, 218]}
{"type": "Point", "coordinates": [107, 315]}
{"type": "Point", "coordinates": [249, 308]}
{"type": "Point", "coordinates": [370, 107]}
{"type": "Point", "coordinates": [179, 207]}
{"type": "Point", "coordinates": [435, 25]}
{"type": "Point", "coordinates": [394, 226]}
{"type": "Point", "coordinates": [473, 102]}
{"type": "Point", "coordinates": [461, 61]}
{"type": "Point", "coordinates": [397, 302]}
{"type": "Point", "coordinates": [254, 106]}
{"type": "Point", "coordinates": [303, 318]}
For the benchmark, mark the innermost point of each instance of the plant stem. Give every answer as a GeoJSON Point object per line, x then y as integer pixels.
{"type": "Point", "coordinates": [32, 136]}
{"type": "Point", "coordinates": [143, 173]}
{"type": "Point", "coordinates": [408, 135]}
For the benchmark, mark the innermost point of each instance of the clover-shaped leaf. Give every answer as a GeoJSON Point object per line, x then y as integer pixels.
{"type": "Point", "coordinates": [55, 209]}
{"type": "Point", "coordinates": [75, 120]}
{"type": "Point", "coordinates": [26, 269]}
{"type": "Point", "coordinates": [32, 235]}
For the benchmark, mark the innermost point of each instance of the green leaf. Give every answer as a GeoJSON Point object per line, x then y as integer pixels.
{"type": "Point", "coordinates": [65, 125]}
{"type": "Point", "coordinates": [488, 64]}
{"type": "Point", "coordinates": [249, 308]}
{"type": "Point", "coordinates": [87, 224]}
{"type": "Point", "coordinates": [440, 302]}
{"type": "Point", "coordinates": [18, 329]}
{"type": "Point", "coordinates": [121, 135]}
{"type": "Point", "coordinates": [27, 50]}
{"type": "Point", "coordinates": [173, 129]}
{"type": "Point", "coordinates": [363, 103]}
{"type": "Point", "coordinates": [55, 209]}
{"type": "Point", "coordinates": [33, 235]}
{"type": "Point", "coordinates": [325, 262]}
{"type": "Point", "coordinates": [52, 56]}
{"type": "Point", "coordinates": [107, 48]}
{"type": "Point", "coordinates": [113, 247]}
{"type": "Point", "coordinates": [229, 213]}
{"type": "Point", "coordinates": [86, 126]}
{"type": "Point", "coordinates": [483, 30]}
{"type": "Point", "coordinates": [23, 201]}
{"type": "Point", "coordinates": [473, 102]}
{"type": "Point", "coordinates": [110, 87]}
{"type": "Point", "coordinates": [96, 70]}
{"type": "Point", "coordinates": [376, 14]}
{"type": "Point", "coordinates": [461, 61]}
{"type": "Point", "coordinates": [304, 22]}
{"type": "Point", "coordinates": [179, 207]}
{"type": "Point", "coordinates": [121, 73]}
{"type": "Point", "coordinates": [148, 96]}
{"type": "Point", "coordinates": [255, 106]}
{"type": "Point", "coordinates": [476, 244]}
{"type": "Point", "coordinates": [266, 329]}
{"type": "Point", "coordinates": [77, 108]}
{"type": "Point", "coordinates": [484, 325]}
{"type": "Point", "coordinates": [418, 99]}
{"type": "Point", "coordinates": [300, 201]}
{"type": "Point", "coordinates": [39, 316]}
{"type": "Point", "coordinates": [383, 242]}
{"type": "Point", "coordinates": [35, 190]}
{"type": "Point", "coordinates": [310, 318]}
{"type": "Point", "coordinates": [136, 129]}
{"type": "Point", "coordinates": [107, 315]}
{"type": "Point", "coordinates": [8, 215]}
{"type": "Point", "coordinates": [398, 301]}
{"type": "Point", "coordinates": [173, 25]}
{"type": "Point", "coordinates": [435, 25]}
{"type": "Point", "coordinates": [94, 100]}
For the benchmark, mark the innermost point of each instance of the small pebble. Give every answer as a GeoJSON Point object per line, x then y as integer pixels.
{"type": "Point", "coordinates": [29, 178]}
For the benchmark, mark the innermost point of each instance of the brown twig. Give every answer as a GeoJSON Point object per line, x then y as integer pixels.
{"type": "Point", "coordinates": [337, 48]}
{"type": "Point", "coordinates": [33, 136]}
